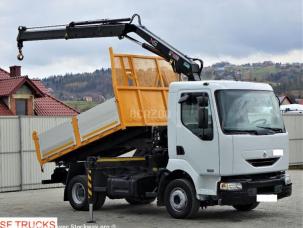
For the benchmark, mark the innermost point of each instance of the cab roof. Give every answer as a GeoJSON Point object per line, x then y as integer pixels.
{"type": "Point", "coordinates": [218, 85]}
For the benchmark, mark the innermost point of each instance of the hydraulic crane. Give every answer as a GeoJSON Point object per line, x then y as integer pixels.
{"type": "Point", "coordinates": [191, 67]}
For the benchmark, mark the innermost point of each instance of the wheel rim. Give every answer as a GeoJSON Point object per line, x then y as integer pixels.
{"type": "Point", "coordinates": [78, 193]}
{"type": "Point", "coordinates": [178, 199]}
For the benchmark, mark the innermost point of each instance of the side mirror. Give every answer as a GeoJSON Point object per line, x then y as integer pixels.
{"type": "Point", "coordinates": [203, 117]}
{"type": "Point", "coordinates": [202, 111]}
{"type": "Point", "coordinates": [202, 100]}
{"type": "Point", "coordinates": [184, 98]}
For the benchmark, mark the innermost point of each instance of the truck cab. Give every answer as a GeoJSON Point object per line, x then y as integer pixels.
{"type": "Point", "coordinates": [229, 137]}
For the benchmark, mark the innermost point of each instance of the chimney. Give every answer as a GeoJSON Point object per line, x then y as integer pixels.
{"type": "Point", "coordinates": [15, 71]}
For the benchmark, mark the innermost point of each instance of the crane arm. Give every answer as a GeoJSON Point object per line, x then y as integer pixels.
{"type": "Point", "coordinates": [120, 28]}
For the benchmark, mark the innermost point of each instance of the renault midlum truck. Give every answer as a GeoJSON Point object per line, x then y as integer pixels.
{"type": "Point", "coordinates": [187, 143]}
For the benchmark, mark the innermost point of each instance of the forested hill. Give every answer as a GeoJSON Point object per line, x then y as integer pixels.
{"type": "Point", "coordinates": [287, 79]}
{"type": "Point", "coordinates": [96, 85]}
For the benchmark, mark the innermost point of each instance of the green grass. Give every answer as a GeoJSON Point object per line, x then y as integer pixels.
{"type": "Point", "coordinates": [262, 72]}
{"type": "Point", "coordinates": [81, 105]}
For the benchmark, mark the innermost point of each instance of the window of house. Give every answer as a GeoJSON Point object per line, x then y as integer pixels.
{"type": "Point", "coordinates": [21, 107]}
{"type": "Point", "coordinates": [189, 117]}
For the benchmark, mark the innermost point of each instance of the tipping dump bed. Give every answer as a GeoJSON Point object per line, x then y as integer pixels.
{"type": "Point", "coordinates": [140, 85]}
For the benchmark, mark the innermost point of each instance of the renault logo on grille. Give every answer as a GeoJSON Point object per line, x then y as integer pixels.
{"type": "Point", "coordinates": [264, 155]}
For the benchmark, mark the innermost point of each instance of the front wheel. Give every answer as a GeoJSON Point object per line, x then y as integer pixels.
{"type": "Point", "coordinates": [246, 207]}
{"type": "Point", "coordinates": [180, 199]}
{"type": "Point", "coordinates": [77, 194]}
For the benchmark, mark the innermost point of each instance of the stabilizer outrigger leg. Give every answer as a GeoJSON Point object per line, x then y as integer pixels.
{"type": "Point", "coordinates": [91, 163]}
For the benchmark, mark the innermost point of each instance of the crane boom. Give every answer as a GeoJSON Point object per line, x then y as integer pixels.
{"type": "Point", "coordinates": [114, 28]}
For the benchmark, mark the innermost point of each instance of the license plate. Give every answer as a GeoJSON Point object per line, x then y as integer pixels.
{"type": "Point", "coordinates": [267, 198]}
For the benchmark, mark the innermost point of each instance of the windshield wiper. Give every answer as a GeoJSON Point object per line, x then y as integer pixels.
{"type": "Point", "coordinates": [275, 129]}
{"type": "Point", "coordinates": [239, 131]}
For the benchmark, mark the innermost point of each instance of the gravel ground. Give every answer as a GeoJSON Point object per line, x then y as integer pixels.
{"type": "Point", "coordinates": [288, 212]}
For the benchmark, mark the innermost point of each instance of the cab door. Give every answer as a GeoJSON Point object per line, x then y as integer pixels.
{"type": "Point", "coordinates": [198, 146]}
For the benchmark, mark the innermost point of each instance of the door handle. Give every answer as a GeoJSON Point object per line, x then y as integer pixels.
{"type": "Point", "coordinates": [180, 150]}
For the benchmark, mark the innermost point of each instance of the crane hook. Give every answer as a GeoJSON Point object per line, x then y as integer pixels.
{"type": "Point", "coordinates": [20, 56]}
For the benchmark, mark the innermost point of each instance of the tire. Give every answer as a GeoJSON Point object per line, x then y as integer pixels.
{"type": "Point", "coordinates": [180, 199]}
{"type": "Point", "coordinates": [133, 201]}
{"type": "Point", "coordinates": [77, 194]}
{"type": "Point", "coordinates": [246, 207]}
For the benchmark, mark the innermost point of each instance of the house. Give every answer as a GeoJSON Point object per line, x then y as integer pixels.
{"type": "Point", "coordinates": [88, 98]}
{"type": "Point", "coordinates": [267, 63]}
{"type": "Point", "coordinates": [20, 95]}
{"type": "Point", "coordinates": [285, 100]}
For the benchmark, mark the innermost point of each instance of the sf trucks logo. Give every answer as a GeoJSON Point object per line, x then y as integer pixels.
{"type": "Point", "coordinates": [28, 222]}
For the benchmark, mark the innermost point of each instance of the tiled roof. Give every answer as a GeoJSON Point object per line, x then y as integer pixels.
{"type": "Point", "coordinates": [41, 86]}
{"type": "Point", "coordinates": [4, 74]}
{"type": "Point", "coordinates": [8, 86]}
{"type": "Point", "coordinates": [50, 106]}
{"type": "Point", "coordinates": [4, 110]}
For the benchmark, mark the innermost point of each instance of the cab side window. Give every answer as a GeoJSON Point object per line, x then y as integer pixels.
{"type": "Point", "coordinates": [189, 116]}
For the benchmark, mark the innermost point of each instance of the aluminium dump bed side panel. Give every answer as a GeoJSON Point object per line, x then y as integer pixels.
{"type": "Point", "coordinates": [56, 139]}
{"type": "Point", "coordinates": [98, 119]}
{"type": "Point", "coordinates": [89, 126]}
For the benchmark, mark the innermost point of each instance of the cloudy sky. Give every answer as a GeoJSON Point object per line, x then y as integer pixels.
{"type": "Point", "coordinates": [238, 31]}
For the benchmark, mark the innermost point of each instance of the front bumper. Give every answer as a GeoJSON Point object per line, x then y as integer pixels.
{"type": "Point", "coordinates": [253, 186]}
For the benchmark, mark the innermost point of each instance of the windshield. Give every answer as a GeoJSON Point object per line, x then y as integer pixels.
{"type": "Point", "coordinates": [249, 111]}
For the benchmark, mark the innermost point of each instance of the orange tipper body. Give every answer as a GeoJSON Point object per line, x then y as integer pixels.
{"type": "Point", "coordinates": [140, 85]}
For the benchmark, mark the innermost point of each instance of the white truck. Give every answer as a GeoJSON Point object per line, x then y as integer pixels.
{"type": "Point", "coordinates": [194, 143]}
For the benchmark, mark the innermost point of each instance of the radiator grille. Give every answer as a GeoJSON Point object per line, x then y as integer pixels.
{"type": "Point", "coordinates": [262, 162]}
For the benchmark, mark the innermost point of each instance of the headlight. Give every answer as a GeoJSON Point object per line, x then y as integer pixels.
{"type": "Point", "coordinates": [287, 179]}
{"type": "Point", "coordinates": [231, 186]}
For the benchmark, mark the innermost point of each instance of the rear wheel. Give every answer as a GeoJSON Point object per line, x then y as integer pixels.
{"type": "Point", "coordinates": [180, 199]}
{"type": "Point", "coordinates": [246, 207]}
{"type": "Point", "coordinates": [134, 201]}
{"type": "Point", "coordinates": [77, 194]}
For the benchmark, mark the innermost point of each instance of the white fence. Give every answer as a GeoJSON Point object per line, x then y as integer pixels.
{"type": "Point", "coordinates": [294, 126]}
{"type": "Point", "coordinates": [20, 170]}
